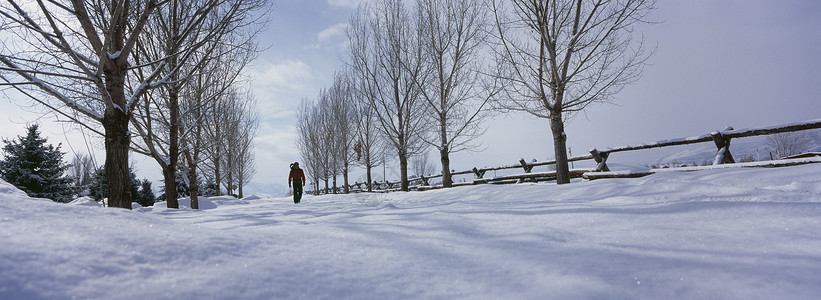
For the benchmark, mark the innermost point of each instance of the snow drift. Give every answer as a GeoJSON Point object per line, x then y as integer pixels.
{"type": "Point", "coordinates": [720, 234]}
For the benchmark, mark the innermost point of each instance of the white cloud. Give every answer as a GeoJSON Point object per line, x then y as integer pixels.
{"type": "Point", "coordinates": [331, 32]}
{"type": "Point", "coordinates": [344, 3]}
{"type": "Point", "coordinates": [279, 87]}
{"type": "Point", "coordinates": [336, 31]}
{"type": "Point", "coordinates": [275, 148]}
{"type": "Point", "coordinates": [290, 74]}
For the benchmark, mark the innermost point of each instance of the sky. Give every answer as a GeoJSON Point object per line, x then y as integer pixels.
{"type": "Point", "coordinates": [740, 63]}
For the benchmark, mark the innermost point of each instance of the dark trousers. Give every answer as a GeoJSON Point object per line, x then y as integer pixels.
{"type": "Point", "coordinates": [297, 192]}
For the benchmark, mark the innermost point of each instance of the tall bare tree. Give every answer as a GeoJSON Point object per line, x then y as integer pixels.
{"type": "Point", "coordinates": [454, 33]}
{"type": "Point", "coordinates": [341, 108]}
{"type": "Point", "coordinates": [219, 77]}
{"type": "Point", "coordinates": [82, 171]}
{"type": "Point", "coordinates": [74, 59]}
{"type": "Point", "coordinates": [422, 164]}
{"type": "Point", "coordinates": [191, 34]}
{"type": "Point", "coordinates": [239, 124]}
{"type": "Point", "coordinates": [309, 139]}
{"type": "Point", "coordinates": [393, 64]}
{"type": "Point", "coordinates": [243, 144]}
{"type": "Point", "coordinates": [369, 146]}
{"type": "Point", "coordinates": [79, 60]}
{"type": "Point", "coordinates": [558, 57]}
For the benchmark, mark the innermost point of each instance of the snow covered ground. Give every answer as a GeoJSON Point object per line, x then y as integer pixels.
{"type": "Point", "coordinates": [713, 234]}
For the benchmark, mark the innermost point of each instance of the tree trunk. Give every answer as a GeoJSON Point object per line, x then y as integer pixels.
{"type": "Point", "coordinates": [560, 148]}
{"type": "Point", "coordinates": [229, 177]}
{"type": "Point", "coordinates": [345, 178]}
{"type": "Point", "coordinates": [403, 170]}
{"type": "Point", "coordinates": [370, 179]}
{"type": "Point", "coordinates": [169, 172]}
{"type": "Point", "coordinates": [447, 181]}
{"type": "Point", "coordinates": [117, 136]}
{"type": "Point", "coordinates": [170, 189]}
{"type": "Point", "coordinates": [239, 188]}
{"type": "Point", "coordinates": [193, 186]}
{"type": "Point", "coordinates": [117, 142]}
{"type": "Point", "coordinates": [334, 187]}
{"type": "Point", "coordinates": [217, 175]}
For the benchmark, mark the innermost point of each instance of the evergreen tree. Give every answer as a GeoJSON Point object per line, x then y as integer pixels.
{"type": "Point", "coordinates": [182, 186]}
{"type": "Point", "coordinates": [209, 190]}
{"type": "Point", "coordinates": [35, 167]}
{"type": "Point", "coordinates": [99, 185]}
{"type": "Point", "coordinates": [145, 196]}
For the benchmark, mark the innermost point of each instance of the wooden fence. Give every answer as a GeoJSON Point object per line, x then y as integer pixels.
{"type": "Point", "coordinates": [721, 139]}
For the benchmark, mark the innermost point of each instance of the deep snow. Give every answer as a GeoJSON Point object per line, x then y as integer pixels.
{"type": "Point", "coordinates": [711, 234]}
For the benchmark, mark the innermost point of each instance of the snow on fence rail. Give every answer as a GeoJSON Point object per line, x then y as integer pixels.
{"type": "Point", "coordinates": [721, 139]}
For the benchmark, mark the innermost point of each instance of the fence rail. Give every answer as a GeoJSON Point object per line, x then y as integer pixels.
{"type": "Point", "coordinates": [720, 138]}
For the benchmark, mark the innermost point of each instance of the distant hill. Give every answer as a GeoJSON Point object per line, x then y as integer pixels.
{"type": "Point", "coordinates": [265, 189]}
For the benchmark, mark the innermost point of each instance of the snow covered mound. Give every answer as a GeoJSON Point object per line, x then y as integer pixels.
{"type": "Point", "coordinates": [8, 190]}
{"type": "Point", "coordinates": [253, 197]}
{"type": "Point", "coordinates": [85, 201]}
{"type": "Point", "coordinates": [712, 234]}
{"type": "Point", "coordinates": [204, 203]}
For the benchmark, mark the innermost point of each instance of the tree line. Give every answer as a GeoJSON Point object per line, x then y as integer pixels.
{"type": "Point", "coordinates": [425, 74]}
{"type": "Point", "coordinates": [38, 168]}
{"type": "Point", "coordinates": [160, 78]}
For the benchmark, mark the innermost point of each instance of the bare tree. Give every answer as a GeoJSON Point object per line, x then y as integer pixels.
{"type": "Point", "coordinates": [341, 109]}
{"type": "Point", "coordinates": [558, 57]}
{"type": "Point", "coordinates": [789, 143]}
{"type": "Point", "coordinates": [369, 145]}
{"type": "Point", "coordinates": [309, 141]}
{"type": "Point", "coordinates": [79, 60]}
{"type": "Point", "coordinates": [326, 133]}
{"type": "Point", "coordinates": [241, 121]}
{"type": "Point", "coordinates": [219, 77]}
{"type": "Point", "coordinates": [74, 59]}
{"type": "Point", "coordinates": [82, 170]}
{"type": "Point", "coordinates": [454, 36]}
{"type": "Point", "coordinates": [422, 165]}
{"type": "Point", "coordinates": [191, 35]}
{"type": "Point", "coordinates": [244, 142]}
{"type": "Point", "coordinates": [387, 54]}
{"type": "Point", "coordinates": [216, 130]}
{"type": "Point", "coordinates": [325, 143]}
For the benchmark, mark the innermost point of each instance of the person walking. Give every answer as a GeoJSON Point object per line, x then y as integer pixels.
{"type": "Point", "coordinates": [298, 178]}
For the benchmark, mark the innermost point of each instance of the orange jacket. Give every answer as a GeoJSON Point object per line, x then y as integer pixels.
{"type": "Point", "coordinates": [296, 175]}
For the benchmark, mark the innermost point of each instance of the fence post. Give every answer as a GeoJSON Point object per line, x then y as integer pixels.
{"type": "Point", "coordinates": [479, 173]}
{"type": "Point", "coordinates": [526, 166]}
{"type": "Point", "coordinates": [723, 155]}
{"type": "Point", "coordinates": [601, 160]}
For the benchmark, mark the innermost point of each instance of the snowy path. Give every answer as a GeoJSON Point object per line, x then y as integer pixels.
{"type": "Point", "coordinates": [721, 234]}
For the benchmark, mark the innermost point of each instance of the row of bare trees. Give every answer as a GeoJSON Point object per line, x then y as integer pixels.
{"type": "Point", "coordinates": [326, 130]}
{"type": "Point", "coordinates": [160, 77]}
{"type": "Point", "coordinates": [412, 81]}
{"type": "Point", "coordinates": [417, 79]}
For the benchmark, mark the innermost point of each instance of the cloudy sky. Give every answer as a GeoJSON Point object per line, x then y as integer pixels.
{"type": "Point", "coordinates": [740, 63]}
